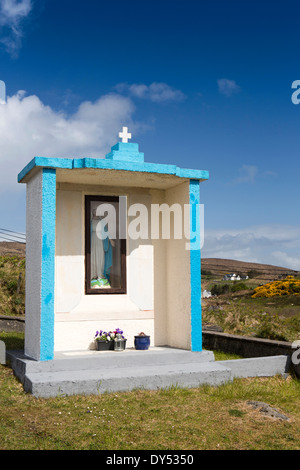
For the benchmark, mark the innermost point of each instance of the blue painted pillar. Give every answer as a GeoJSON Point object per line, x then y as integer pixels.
{"type": "Point", "coordinates": [48, 264]}
{"type": "Point", "coordinates": [195, 266]}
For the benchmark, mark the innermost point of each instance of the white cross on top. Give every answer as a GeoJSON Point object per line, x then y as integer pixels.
{"type": "Point", "coordinates": [125, 135]}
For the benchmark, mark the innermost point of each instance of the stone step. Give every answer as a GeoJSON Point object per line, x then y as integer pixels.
{"type": "Point", "coordinates": [151, 377]}
{"type": "Point", "coordinates": [66, 361]}
{"type": "Point", "coordinates": [267, 366]}
{"type": "Point", "coordinates": [94, 372]}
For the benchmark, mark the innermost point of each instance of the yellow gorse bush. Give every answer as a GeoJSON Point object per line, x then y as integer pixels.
{"type": "Point", "coordinates": [288, 286]}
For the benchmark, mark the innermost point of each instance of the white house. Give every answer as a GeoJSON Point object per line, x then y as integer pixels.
{"type": "Point", "coordinates": [206, 294]}
{"type": "Point", "coordinates": [231, 277]}
{"type": "Point", "coordinates": [234, 277]}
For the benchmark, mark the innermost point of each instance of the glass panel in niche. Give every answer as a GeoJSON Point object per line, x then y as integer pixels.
{"type": "Point", "coordinates": [105, 245]}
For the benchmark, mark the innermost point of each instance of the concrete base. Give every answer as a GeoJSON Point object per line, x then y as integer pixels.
{"type": "Point", "coordinates": [95, 372]}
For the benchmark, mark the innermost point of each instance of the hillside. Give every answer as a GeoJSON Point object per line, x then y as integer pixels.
{"type": "Point", "coordinates": [266, 272]}
{"type": "Point", "coordinates": [235, 312]}
{"type": "Point", "coordinates": [12, 285]}
{"type": "Point", "coordinates": [215, 266]}
{"type": "Point", "coordinates": [12, 249]}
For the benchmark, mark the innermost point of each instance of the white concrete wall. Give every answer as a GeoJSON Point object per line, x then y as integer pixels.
{"type": "Point", "coordinates": [172, 294]}
{"type": "Point", "coordinates": [178, 278]}
{"type": "Point", "coordinates": [82, 332]}
{"type": "Point", "coordinates": [140, 258]}
{"type": "Point", "coordinates": [33, 265]}
{"type": "Point", "coordinates": [78, 316]}
{"type": "Point", "coordinates": [160, 281]}
{"type": "Point", "coordinates": [158, 299]}
{"type": "Point", "coordinates": [69, 257]}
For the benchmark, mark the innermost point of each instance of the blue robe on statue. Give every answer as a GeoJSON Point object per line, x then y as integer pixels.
{"type": "Point", "coordinates": [108, 255]}
{"type": "Point", "coordinates": [107, 247]}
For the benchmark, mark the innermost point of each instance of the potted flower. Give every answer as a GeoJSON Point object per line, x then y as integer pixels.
{"type": "Point", "coordinates": [104, 340]}
{"type": "Point", "coordinates": [142, 341]}
{"type": "Point", "coordinates": [119, 340]}
{"type": "Point", "coordinates": [110, 341]}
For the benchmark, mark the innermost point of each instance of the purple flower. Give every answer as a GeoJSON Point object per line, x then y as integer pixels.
{"type": "Point", "coordinates": [110, 335]}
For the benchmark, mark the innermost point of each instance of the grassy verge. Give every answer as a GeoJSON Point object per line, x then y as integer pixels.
{"type": "Point", "coordinates": [275, 318]}
{"type": "Point", "coordinates": [172, 419]}
{"type": "Point", "coordinates": [222, 356]}
{"type": "Point", "coordinates": [12, 339]}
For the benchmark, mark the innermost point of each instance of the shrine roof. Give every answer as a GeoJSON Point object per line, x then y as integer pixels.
{"type": "Point", "coordinates": [123, 156]}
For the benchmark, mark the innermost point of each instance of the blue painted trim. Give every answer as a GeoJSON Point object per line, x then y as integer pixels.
{"type": "Point", "coordinates": [195, 268]}
{"type": "Point", "coordinates": [26, 170]}
{"type": "Point", "coordinates": [125, 151]}
{"type": "Point", "coordinates": [45, 162]}
{"type": "Point", "coordinates": [109, 164]}
{"type": "Point", "coordinates": [48, 264]}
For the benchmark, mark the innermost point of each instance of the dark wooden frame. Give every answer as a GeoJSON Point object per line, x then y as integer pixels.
{"type": "Point", "coordinates": [88, 290]}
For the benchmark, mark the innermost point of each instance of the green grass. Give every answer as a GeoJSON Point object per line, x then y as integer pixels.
{"type": "Point", "coordinates": [173, 419]}
{"type": "Point", "coordinates": [202, 418]}
{"type": "Point", "coordinates": [12, 339]}
{"type": "Point", "coordinates": [222, 356]}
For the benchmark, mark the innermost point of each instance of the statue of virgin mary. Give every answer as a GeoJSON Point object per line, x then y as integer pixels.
{"type": "Point", "coordinates": [101, 252]}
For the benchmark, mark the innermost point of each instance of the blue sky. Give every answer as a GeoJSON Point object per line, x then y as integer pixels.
{"type": "Point", "coordinates": [200, 84]}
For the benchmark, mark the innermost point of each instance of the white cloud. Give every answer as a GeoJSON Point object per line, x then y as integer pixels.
{"type": "Point", "coordinates": [2, 92]}
{"type": "Point", "coordinates": [278, 245]}
{"type": "Point", "coordinates": [247, 174]}
{"type": "Point", "coordinates": [28, 128]}
{"type": "Point", "coordinates": [156, 92]}
{"type": "Point", "coordinates": [285, 260]}
{"type": "Point", "coordinates": [250, 174]}
{"type": "Point", "coordinates": [228, 87]}
{"type": "Point", "coordinates": [12, 13]}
